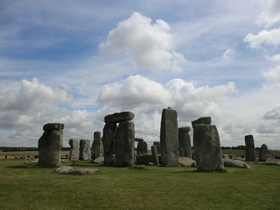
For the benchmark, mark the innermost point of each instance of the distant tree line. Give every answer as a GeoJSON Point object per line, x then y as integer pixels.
{"type": "Point", "coordinates": [18, 149]}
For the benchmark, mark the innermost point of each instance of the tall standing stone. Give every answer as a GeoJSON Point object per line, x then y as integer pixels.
{"type": "Point", "coordinates": [155, 155]}
{"type": "Point", "coordinates": [97, 146]}
{"type": "Point", "coordinates": [74, 151]}
{"type": "Point", "coordinates": [207, 147]}
{"type": "Point", "coordinates": [109, 143]}
{"type": "Point", "coordinates": [169, 142]}
{"type": "Point", "coordinates": [142, 147]}
{"type": "Point", "coordinates": [250, 153]}
{"type": "Point", "coordinates": [85, 153]}
{"type": "Point", "coordinates": [263, 153]}
{"type": "Point", "coordinates": [184, 142]}
{"type": "Point", "coordinates": [50, 144]}
{"type": "Point", "coordinates": [124, 144]}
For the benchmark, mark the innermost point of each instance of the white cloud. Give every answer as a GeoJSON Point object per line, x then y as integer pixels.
{"type": "Point", "coordinates": [274, 58]}
{"type": "Point", "coordinates": [148, 45]}
{"type": "Point", "coordinates": [273, 114]}
{"type": "Point", "coordinates": [272, 78]}
{"type": "Point", "coordinates": [228, 55]}
{"type": "Point", "coordinates": [265, 37]}
{"type": "Point", "coordinates": [271, 13]}
{"type": "Point", "coordinates": [31, 96]}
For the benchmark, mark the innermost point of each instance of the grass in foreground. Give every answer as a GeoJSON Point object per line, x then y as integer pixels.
{"type": "Point", "coordinates": [29, 187]}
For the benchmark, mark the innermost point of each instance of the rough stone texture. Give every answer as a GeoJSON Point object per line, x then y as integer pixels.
{"type": "Point", "coordinates": [98, 160]}
{"type": "Point", "coordinates": [124, 144]}
{"type": "Point", "coordinates": [235, 163]}
{"type": "Point", "coordinates": [202, 120]}
{"type": "Point", "coordinates": [53, 126]}
{"type": "Point", "coordinates": [144, 159]}
{"type": "Point", "coordinates": [184, 142]}
{"type": "Point", "coordinates": [142, 148]}
{"type": "Point", "coordinates": [250, 154]}
{"type": "Point", "coordinates": [155, 158]}
{"type": "Point", "coordinates": [157, 144]}
{"type": "Point", "coordinates": [76, 171]}
{"type": "Point", "coordinates": [97, 146]}
{"type": "Point", "coordinates": [85, 152]}
{"type": "Point", "coordinates": [186, 161]}
{"type": "Point", "coordinates": [109, 143]}
{"type": "Point", "coordinates": [263, 153]}
{"type": "Point", "coordinates": [50, 144]}
{"type": "Point", "coordinates": [119, 117]}
{"type": "Point", "coordinates": [169, 141]}
{"type": "Point", "coordinates": [207, 147]}
{"type": "Point", "coordinates": [74, 151]}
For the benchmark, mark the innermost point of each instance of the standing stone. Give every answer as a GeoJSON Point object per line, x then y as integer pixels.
{"type": "Point", "coordinates": [155, 155]}
{"type": "Point", "coordinates": [202, 120]}
{"type": "Point", "coordinates": [208, 154]}
{"type": "Point", "coordinates": [142, 147]}
{"type": "Point", "coordinates": [74, 151]}
{"type": "Point", "coordinates": [157, 144]}
{"type": "Point", "coordinates": [50, 144]}
{"type": "Point", "coordinates": [97, 146]}
{"type": "Point", "coordinates": [124, 144]}
{"type": "Point", "coordinates": [263, 153]}
{"type": "Point", "coordinates": [184, 142]}
{"type": "Point", "coordinates": [109, 143]}
{"type": "Point", "coordinates": [85, 153]}
{"type": "Point", "coordinates": [250, 154]}
{"type": "Point", "coordinates": [169, 141]}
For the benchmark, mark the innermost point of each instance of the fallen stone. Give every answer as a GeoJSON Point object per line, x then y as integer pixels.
{"type": "Point", "coordinates": [119, 117]}
{"type": "Point", "coordinates": [78, 171]}
{"type": "Point", "coordinates": [98, 160]}
{"type": "Point", "coordinates": [186, 161]}
{"type": "Point", "coordinates": [235, 163]}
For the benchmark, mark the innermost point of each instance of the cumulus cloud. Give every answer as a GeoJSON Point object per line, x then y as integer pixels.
{"type": "Point", "coordinates": [149, 45]}
{"type": "Point", "coordinates": [271, 13]}
{"type": "Point", "coordinates": [25, 110]}
{"type": "Point", "coordinates": [272, 78]}
{"type": "Point", "coordinates": [274, 58]}
{"type": "Point", "coordinates": [264, 38]}
{"type": "Point", "coordinates": [31, 96]}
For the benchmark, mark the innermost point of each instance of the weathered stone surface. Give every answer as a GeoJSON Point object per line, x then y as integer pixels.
{"type": "Point", "coordinates": [202, 120]}
{"type": "Point", "coordinates": [235, 163]}
{"type": "Point", "coordinates": [157, 144]}
{"type": "Point", "coordinates": [109, 143]}
{"type": "Point", "coordinates": [142, 148]}
{"type": "Point", "coordinates": [119, 117]}
{"type": "Point", "coordinates": [97, 146]}
{"type": "Point", "coordinates": [98, 160]}
{"type": "Point", "coordinates": [74, 151]}
{"type": "Point", "coordinates": [124, 144]}
{"type": "Point", "coordinates": [207, 147]}
{"type": "Point", "coordinates": [50, 144]}
{"type": "Point", "coordinates": [184, 142]}
{"type": "Point", "coordinates": [53, 126]}
{"type": "Point", "coordinates": [263, 153]}
{"type": "Point", "coordinates": [155, 158]}
{"type": "Point", "coordinates": [76, 171]}
{"type": "Point", "coordinates": [250, 153]}
{"type": "Point", "coordinates": [138, 139]}
{"type": "Point", "coordinates": [144, 159]}
{"type": "Point", "coordinates": [186, 161]}
{"type": "Point", "coordinates": [85, 153]}
{"type": "Point", "coordinates": [169, 141]}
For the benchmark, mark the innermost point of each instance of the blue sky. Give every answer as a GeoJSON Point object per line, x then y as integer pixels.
{"type": "Point", "coordinates": [74, 62]}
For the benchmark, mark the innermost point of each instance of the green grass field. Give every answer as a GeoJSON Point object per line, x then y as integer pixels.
{"type": "Point", "coordinates": [32, 187]}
